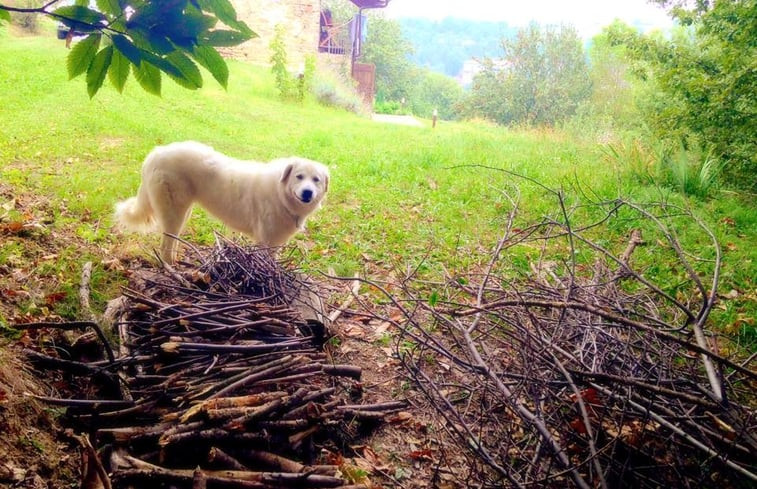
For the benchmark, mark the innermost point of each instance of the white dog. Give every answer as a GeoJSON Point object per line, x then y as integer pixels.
{"type": "Point", "coordinates": [267, 201]}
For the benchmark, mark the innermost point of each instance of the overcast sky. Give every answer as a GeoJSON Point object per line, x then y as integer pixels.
{"type": "Point", "coordinates": [588, 16]}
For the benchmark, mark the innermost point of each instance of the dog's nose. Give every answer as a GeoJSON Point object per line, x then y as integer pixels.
{"type": "Point", "coordinates": [307, 195]}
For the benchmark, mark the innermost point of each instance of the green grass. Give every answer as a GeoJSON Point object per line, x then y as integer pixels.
{"type": "Point", "coordinates": [399, 195]}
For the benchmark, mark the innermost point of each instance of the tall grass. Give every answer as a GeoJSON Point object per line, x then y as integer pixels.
{"type": "Point", "coordinates": [692, 173]}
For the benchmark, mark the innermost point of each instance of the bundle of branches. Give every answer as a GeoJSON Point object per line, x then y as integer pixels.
{"type": "Point", "coordinates": [220, 381]}
{"type": "Point", "coordinates": [582, 372]}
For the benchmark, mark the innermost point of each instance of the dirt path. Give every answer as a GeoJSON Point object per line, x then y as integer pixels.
{"type": "Point", "coordinates": [405, 120]}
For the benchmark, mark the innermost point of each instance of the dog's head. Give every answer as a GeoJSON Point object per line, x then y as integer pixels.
{"type": "Point", "coordinates": [305, 180]}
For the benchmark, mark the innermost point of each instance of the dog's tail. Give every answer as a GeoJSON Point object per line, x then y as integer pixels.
{"type": "Point", "coordinates": [135, 213]}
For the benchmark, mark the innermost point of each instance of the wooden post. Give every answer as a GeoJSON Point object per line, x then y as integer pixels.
{"type": "Point", "coordinates": [433, 120]}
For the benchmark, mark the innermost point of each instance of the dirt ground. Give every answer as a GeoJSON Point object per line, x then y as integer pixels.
{"type": "Point", "coordinates": [39, 450]}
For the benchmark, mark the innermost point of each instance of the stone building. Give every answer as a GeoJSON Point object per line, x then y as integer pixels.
{"type": "Point", "coordinates": [309, 31]}
{"type": "Point", "coordinates": [300, 17]}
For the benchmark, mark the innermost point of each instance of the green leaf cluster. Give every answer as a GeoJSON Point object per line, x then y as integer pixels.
{"type": "Point", "coordinates": [705, 77]}
{"type": "Point", "coordinates": [149, 38]}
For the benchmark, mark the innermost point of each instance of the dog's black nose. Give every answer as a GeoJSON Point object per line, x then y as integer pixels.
{"type": "Point", "coordinates": [307, 196]}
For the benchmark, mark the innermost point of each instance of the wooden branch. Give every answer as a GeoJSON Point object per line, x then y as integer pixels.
{"type": "Point", "coordinates": [93, 461]}
{"type": "Point", "coordinates": [131, 468]}
{"type": "Point", "coordinates": [216, 455]}
{"type": "Point", "coordinates": [354, 290]}
{"type": "Point", "coordinates": [90, 404]}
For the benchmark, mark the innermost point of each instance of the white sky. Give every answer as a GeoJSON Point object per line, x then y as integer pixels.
{"type": "Point", "coordinates": [588, 16]}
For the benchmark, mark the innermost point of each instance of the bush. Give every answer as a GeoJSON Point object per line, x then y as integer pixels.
{"type": "Point", "coordinates": [390, 107]}
{"type": "Point", "coordinates": [334, 89]}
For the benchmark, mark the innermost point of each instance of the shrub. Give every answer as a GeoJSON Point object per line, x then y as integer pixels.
{"type": "Point", "coordinates": [334, 89]}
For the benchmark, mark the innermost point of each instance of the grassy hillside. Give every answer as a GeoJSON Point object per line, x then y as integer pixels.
{"type": "Point", "coordinates": [399, 194]}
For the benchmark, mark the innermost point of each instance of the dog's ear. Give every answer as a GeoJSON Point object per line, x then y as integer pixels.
{"type": "Point", "coordinates": [326, 182]}
{"type": "Point", "coordinates": [287, 171]}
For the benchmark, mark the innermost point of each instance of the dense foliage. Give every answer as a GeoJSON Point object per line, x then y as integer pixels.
{"type": "Point", "coordinates": [146, 38]}
{"type": "Point", "coordinates": [705, 78]}
{"type": "Point", "coordinates": [541, 78]}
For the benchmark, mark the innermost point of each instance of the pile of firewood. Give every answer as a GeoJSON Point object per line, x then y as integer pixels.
{"type": "Point", "coordinates": [219, 381]}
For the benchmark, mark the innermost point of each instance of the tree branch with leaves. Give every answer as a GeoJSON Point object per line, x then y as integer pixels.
{"type": "Point", "coordinates": [147, 38]}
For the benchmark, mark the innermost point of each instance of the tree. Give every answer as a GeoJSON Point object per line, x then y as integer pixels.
{"type": "Point", "coordinates": [388, 50]}
{"type": "Point", "coordinates": [706, 75]}
{"type": "Point", "coordinates": [614, 88]}
{"type": "Point", "coordinates": [435, 91]}
{"type": "Point", "coordinates": [541, 78]}
{"type": "Point", "coordinates": [146, 38]}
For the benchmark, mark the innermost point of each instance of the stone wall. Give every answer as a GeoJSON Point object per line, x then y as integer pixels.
{"type": "Point", "coordinates": [301, 18]}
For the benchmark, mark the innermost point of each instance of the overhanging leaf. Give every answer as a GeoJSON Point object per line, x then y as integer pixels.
{"type": "Point", "coordinates": [98, 69]}
{"type": "Point", "coordinates": [191, 77]}
{"type": "Point", "coordinates": [109, 7]}
{"type": "Point", "coordinates": [119, 70]}
{"type": "Point", "coordinates": [81, 55]}
{"type": "Point", "coordinates": [193, 24]}
{"type": "Point", "coordinates": [148, 76]}
{"type": "Point", "coordinates": [161, 63]}
{"type": "Point", "coordinates": [5, 15]}
{"type": "Point", "coordinates": [224, 10]}
{"type": "Point", "coordinates": [209, 59]}
{"type": "Point", "coordinates": [222, 37]}
{"type": "Point", "coordinates": [79, 17]}
{"type": "Point", "coordinates": [127, 48]}
{"type": "Point", "coordinates": [152, 40]}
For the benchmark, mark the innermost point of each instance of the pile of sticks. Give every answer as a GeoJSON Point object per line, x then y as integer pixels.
{"type": "Point", "coordinates": [583, 372]}
{"type": "Point", "coordinates": [219, 382]}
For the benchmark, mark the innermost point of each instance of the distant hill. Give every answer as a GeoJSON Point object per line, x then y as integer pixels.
{"type": "Point", "coordinates": [442, 46]}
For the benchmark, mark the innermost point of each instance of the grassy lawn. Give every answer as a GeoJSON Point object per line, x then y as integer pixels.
{"type": "Point", "coordinates": [399, 194]}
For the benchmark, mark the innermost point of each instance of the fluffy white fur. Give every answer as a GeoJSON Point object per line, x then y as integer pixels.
{"type": "Point", "coordinates": [267, 201]}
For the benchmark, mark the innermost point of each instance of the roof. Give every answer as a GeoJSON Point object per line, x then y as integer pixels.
{"type": "Point", "coordinates": [371, 3]}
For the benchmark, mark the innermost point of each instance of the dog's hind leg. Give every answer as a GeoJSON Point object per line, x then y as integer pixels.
{"type": "Point", "coordinates": [172, 223]}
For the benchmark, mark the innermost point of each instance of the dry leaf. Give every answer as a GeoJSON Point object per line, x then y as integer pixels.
{"type": "Point", "coordinates": [399, 417]}
{"type": "Point", "coordinates": [731, 294]}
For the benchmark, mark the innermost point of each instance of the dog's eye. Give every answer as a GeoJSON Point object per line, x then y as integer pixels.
{"type": "Point", "coordinates": [300, 176]}
{"type": "Point", "coordinates": [316, 179]}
